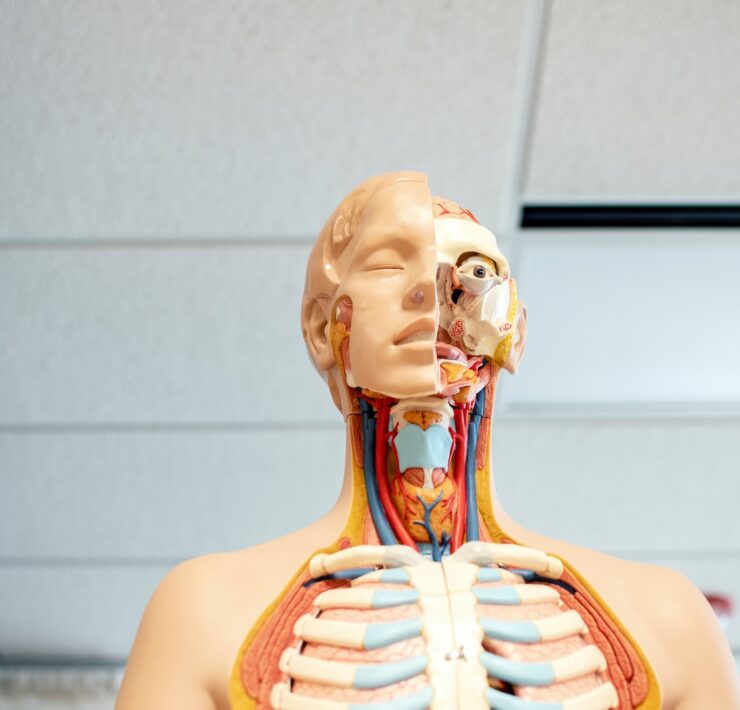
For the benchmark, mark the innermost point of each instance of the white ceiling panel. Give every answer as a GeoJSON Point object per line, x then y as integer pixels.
{"type": "Point", "coordinates": [638, 101]}
{"type": "Point", "coordinates": [244, 119]}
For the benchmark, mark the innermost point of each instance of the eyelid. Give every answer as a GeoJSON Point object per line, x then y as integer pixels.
{"type": "Point", "coordinates": [477, 259]}
{"type": "Point", "coordinates": [383, 267]}
{"type": "Point", "coordinates": [384, 259]}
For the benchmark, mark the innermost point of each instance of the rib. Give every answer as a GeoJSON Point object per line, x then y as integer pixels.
{"type": "Point", "coordinates": [359, 598]}
{"type": "Point", "coordinates": [361, 676]}
{"type": "Point", "coordinates": [283, 699]}
{"type": "Point", "coordinates": [363, 556]}
{"type": "Point", "coordinates": [549, 629]}
{"type": "Point", "coordinates": [486, 553]}
{"type": "Point", "coordinates": [536, 675]}
{"type": "Point", "coordinates": [515, 594]}
{"type": "Point", "coordinates": [348, 634]}
{"type": "Point", "coordinates": [602, 698]}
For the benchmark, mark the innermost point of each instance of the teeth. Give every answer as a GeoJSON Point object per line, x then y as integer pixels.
{"type": "Point", "coordinates": [415, 337]}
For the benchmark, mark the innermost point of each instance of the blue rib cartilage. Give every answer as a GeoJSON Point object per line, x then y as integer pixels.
{"type": "Point", "coordinates": [384, 634]}
{"type": "Point", "coordinates": [395, 575]}
{"type": "Point", "coordinates": [516, 631]}
{"type": "Point", "coordinates": [415, 701]}
{"type": "Point", "coordinates": [383, 598]}
{"type": "Point", "coordinates": [526, 574]}
{"type": "Point", "coordinates": [498, 595]}
{"type": "Point", "coordinates": [489, 574]}
{"type": "Point", "coordinates": [516, 672]}
{"type": "Point", "coordinates": [498, 700]}
{"type": "Point", "coordinates": [380, 675]}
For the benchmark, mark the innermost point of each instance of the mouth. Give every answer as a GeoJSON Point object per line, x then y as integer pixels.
{"type": "Point", "coordinates": [445, 351]}
{"type": "Point", "coordinates": [422, 336]}
{"type": "Point", "coordinates": [423, 330]}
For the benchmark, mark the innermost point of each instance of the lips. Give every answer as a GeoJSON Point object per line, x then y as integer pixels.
{"type": "Point", "coordinates": [423, 329]}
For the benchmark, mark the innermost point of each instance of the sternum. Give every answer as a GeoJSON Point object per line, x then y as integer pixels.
{"type": "Point", "coordinates": [452, 634]}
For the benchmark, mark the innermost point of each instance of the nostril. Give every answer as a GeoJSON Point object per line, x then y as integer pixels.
{"type": "Point", "coordinates": [455, 296]}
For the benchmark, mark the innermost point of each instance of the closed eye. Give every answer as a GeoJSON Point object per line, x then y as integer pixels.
{"type": "Point", "coordinates": [385, 258]}
{"type": "Point", "coordinates": [383, 267]}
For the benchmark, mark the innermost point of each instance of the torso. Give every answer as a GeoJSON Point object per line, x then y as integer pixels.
{"type": "Point", "coordinates": [625, 587]}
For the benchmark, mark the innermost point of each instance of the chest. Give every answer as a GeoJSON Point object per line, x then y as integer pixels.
{"type": "Point", "coordinates": [368, 630]}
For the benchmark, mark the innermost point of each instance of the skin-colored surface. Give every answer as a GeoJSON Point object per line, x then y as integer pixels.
{"type": "Point", "coordinates": [197, 619]}
{"type": "Point", "coordinates": [386, 264]}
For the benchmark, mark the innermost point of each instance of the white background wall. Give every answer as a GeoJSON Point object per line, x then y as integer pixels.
{"type": "Point", "coordinates": [164, 169]}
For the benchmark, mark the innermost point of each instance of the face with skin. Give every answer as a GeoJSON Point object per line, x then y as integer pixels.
{"type": "Point", "coordinates": [412, 287]}
{"type": "Point", "coordinates": [389, 275]}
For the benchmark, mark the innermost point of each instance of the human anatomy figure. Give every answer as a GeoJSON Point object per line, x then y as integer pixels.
{"type": "Point", "coordinates": [417, 590]}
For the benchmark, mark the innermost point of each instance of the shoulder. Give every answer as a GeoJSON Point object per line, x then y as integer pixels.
{"type": "Point", "coordinates": [180, 638]}
{"type": "Point", "coordinates": [672, 623]}
{"type": "Point", "coordinates": [679, 631]}
{"type": "Point", "coordinates": [705, 672]}
{"type": "Point", "coordinates": [195, 622]}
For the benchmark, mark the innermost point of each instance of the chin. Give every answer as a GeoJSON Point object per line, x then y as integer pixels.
{"type": "Point", "coordinates": [408, 382]}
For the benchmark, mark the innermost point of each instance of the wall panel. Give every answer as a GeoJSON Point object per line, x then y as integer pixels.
{"type": "Point", "coordinates": [624, 487]}
{"type": "Point", "coordinates": [162, 494]}
{"type": "Point", "coordinates": [155, 335]}
{"type": "Point", "coordinates": [74, 611]}
{"type": "Point", "coordinates": [628, 320]}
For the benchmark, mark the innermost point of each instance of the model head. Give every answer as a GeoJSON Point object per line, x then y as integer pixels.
{"type": "Point", "coordinates": [399, 284]}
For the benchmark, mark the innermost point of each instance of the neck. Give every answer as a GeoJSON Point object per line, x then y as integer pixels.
{"type": "Point", "coordinates": [418, 473]}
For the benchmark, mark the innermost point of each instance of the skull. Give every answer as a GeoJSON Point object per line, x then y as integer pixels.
{"type": "Point", "coordinates": [478, 309]}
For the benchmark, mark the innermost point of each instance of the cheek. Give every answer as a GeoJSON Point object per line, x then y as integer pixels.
{"type": "Point", "coordinates": [376, 317]}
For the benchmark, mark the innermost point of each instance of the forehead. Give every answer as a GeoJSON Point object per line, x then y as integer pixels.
{"type": "Point", "coordinates": [398, 216]}
{"type": "Point", "coordinates": [454, 237]}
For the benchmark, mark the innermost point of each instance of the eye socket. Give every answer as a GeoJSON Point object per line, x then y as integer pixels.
{"type": "Point", "coordinates": [478, 266]}
{"type": "Point", "coordinates": [477, 274]}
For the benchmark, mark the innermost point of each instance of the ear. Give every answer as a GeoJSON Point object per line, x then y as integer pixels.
{"type": "Point", "coordinates": [316, 334]}
{"type": "Point", "coordinates": [517, 349]}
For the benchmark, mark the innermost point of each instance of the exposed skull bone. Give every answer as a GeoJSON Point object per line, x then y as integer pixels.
{"type": "Point", "coordinates": [476, 295]}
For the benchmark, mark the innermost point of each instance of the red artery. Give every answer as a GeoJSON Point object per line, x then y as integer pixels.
{"type": "Point", "coordinates": [382, 438]}
{"type": "Point", "coordinates": [461, 448]}
{"type": "Point", "coordinates": [381, 473]}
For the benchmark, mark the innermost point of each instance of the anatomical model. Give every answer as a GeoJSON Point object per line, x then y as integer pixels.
{"type": "Point", "coordinates": [417, 591]}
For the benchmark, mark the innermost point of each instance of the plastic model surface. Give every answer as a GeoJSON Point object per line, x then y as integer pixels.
{"type": "Point", "coordinates": [418, 591]}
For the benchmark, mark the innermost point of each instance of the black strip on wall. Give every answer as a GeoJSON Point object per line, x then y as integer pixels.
{"type": "Point", "coordinates": [620, 216]}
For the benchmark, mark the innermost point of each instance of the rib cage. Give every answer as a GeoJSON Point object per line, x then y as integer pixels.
{"type": "Point", "coordinates": [469, 632]}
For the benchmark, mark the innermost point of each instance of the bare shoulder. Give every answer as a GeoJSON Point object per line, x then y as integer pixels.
{"type": "Point", "coordinates": [673, 624]}
{"type": "Point", "coordinates": [703, 670]}
{"type": "Point", "coordinates": [195, 622]}
{"type": "Point", "coordinates": [180, 638]}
